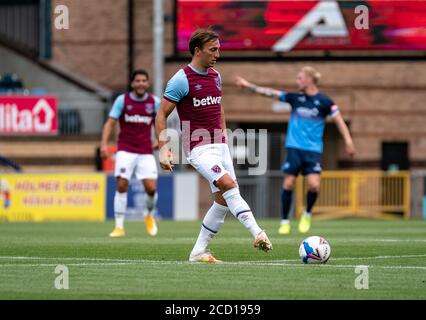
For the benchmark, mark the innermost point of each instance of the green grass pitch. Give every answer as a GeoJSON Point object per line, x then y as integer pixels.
{"type": "Point", "coordinates": [140, 267]}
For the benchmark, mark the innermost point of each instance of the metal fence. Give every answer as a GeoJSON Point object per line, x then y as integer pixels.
{"type": "Point", "coordinates": [26, 25]}
{"type": "Point", "coordinates": [373, 194]}
{"type": "Point", "coordinates": [81, 121]}
{"type": "Point", "coordinates": [262, 193]}
{"type": "Point", "coordinates": [418, 182]}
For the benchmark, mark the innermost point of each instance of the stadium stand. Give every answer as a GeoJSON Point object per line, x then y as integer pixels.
{"type": "Point", "coordinates": [63, 154]}
{"type": "Point", "coordinates": [81, 110]}
{"type": "Point", "coordinates": [10, 83]}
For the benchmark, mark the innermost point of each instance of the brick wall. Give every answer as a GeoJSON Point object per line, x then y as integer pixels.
{"type": "Point", "coordinates": [95, 45]}
{"type": "Point", "coordinates": [383, 101]}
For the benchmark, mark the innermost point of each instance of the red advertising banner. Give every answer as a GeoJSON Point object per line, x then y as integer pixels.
{"type": "Point", "coordinates": [289, 25]}
{"type": "Point", "coordinates": [28, 115]}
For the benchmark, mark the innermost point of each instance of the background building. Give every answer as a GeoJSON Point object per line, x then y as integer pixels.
{"type": "Point", "coordinates": [380, 96]}
{"type": "Point", "coordinates": [377, 76]}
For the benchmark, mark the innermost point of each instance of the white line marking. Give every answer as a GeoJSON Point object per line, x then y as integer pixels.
{"type": "Point", "coordinates": [355, 258]}
{"type": "Point", "coordinates": [117, 262]}
{"type": "Point", "coordinates": [144, 260]}
{"type": "Point", "coordinates": [272, 264]}
{"type": "Point", "coordinates": [274, 240]}
{"type": "Point", "coordinates": [68, 264]}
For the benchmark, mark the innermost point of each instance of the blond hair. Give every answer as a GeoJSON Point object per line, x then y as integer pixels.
{"type": "Point", "coordinates": [313, 73]}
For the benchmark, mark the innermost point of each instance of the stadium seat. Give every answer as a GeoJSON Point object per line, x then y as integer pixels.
{"type": "Point", "coordinates": [11, 83]}
{"type": "Point", "coordinates": [38, 91]}
{"type": "Point", "coordinates": [69, 121]}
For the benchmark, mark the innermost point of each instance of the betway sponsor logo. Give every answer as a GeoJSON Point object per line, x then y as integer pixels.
{"type": "Point", "coordinates": [38, 119]}
{"type": "Point", "coordinates": [137, 119]}
{"type": "Point", "coordinates": [208, 101]}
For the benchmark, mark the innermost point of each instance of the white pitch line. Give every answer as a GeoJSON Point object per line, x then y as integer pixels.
{"type": "Point", "coordinates": [390, 240]}
{"type": "Point", "coordinates": [327, 265]}
{"type": "Point", "coordinates": [384, 257]}
{"type": "Point", "coordinates": [281, 263]}
{"type": "Point", "coordinates": [68, 264]}
{"type": "Point", "coordinates": [68, 258]}
{"type": "Point", "coordinates": [272, 264]}
{"type": "Point", "coordinates": [354, 258]}
{"type": "Point", "coordinates": [277, 240]}
{"type": "Point", "coordinates": [159, 261]}
{"type": "Point", "coordinates": [281, 240]}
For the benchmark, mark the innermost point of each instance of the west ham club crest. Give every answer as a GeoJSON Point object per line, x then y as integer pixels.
{"type": "Point", "coordinates": [218, 83]}
{"type": "Point", "coordinates": [216, 169]}
{"type": "Point", "coordinates": [149, 108]}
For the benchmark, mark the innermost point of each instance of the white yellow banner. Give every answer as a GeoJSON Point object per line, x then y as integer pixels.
{"type": "Point", "coordinates": [41, 197]}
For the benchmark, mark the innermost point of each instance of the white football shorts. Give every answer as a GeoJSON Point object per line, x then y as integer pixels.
{"type": "Point", "coordinates": [212, 161]}
{"type": "Point", "coordinates": [143, 165]}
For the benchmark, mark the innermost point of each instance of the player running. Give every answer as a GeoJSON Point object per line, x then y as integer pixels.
{"type": "Point", "coordinates": [196, 92]}
{"type": "Point", "coordinates": [304, 145]}
{"type": "Point", "coordinates": [135, 111]}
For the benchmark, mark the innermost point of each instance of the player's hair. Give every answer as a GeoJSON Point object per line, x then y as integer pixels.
{"type": "Point", "coordinates": [139, 72]}
{"type": "Point", "coordinates": [313, 73]}
{"type": "Point", "coordinates": [200, 37]}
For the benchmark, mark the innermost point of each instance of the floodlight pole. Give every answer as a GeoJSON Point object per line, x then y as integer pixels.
{"type": "Point", "coordinates": [130, 40]}
{"type": "Point", "coordinates": [158, 54]}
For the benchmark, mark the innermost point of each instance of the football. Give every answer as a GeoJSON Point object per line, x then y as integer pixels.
{"type": "Point", "coordinates": [314, 249]}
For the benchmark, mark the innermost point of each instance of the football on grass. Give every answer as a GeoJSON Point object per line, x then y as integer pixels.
{"type": "Point", "coordinates": [314, 249]}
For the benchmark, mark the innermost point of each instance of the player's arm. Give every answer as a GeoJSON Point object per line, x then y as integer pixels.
{"type": "Point", "coordinates": [344, 131]}
{"type": "Point", "coordinates": [264, 91]}
{"type": "Point", "coordinates": [154, 144]}
{"type": "Point", "coordinates": [154, 138]}
{"type": "Point", "coordinates": [116, 110]}
{"type": "Point", "coordinates": [177, 88]}
{"type": "Point", "coordinates": [106, 133]}
{"type": "Point", "coordinates": [166, 107]}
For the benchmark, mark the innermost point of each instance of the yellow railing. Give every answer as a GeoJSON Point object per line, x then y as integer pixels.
{"type": "Point", "coordinates": [358, 193]}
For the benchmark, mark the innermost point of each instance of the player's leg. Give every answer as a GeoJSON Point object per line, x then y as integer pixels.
{"type": "Point", "coordinates": [125, 163]}
{"type": "Point", "coordinates": [291, 168]}
{"type": "Point", "coordinates": [213, 220]}
{"type": "Point", "coordinates": [120, 207]}
{"type": "Point", "coordinates": [151, 196]}
{"type": "Point", "coordinates": [208, 161]}
{"type": "Point", "coordinates": [289, 182]}
{"type": "Point", "coordinates": [230, 192]}
{"type": "Point", "coordinates": [313, 189]}
{"type": "Point", "coordinates": [312, 195]}
{"type": "Point", "coordinates": [312, 170]}
{"type": "Point", "coordinates": [146, 170]}
{"type": "Point", "coordinates": [241, 210]}
{"type": "Point", "coordinates": [205, 159]}
{"type": "Point", "coordinates": [236, 204]}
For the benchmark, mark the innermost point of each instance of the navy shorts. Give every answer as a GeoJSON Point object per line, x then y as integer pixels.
{"type": "Point", "coordinates": [308, 162]}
